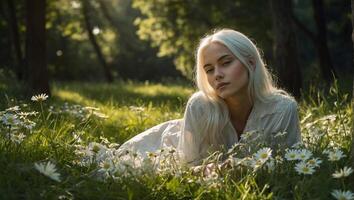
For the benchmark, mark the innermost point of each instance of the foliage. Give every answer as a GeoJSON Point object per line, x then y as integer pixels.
{"type": "Point", "coordinates": [59, 148]}
{"type": "Point", "coordinates": [176, 26]}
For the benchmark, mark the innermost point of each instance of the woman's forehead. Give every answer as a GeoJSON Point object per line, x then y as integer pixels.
{"type": "Point", "coordinates": [215, 52]}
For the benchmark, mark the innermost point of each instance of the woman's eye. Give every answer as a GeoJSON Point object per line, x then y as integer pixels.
{"type": "Point", "coordinates": [209, 70]}
{"type": "Point", "coordinates": [227, 62]}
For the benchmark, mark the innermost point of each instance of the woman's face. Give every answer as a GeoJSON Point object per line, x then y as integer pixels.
{"type": "Point", "coordinates": [226, 74]}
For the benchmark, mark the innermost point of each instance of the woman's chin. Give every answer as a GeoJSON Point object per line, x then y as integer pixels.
{"type": "Point", "coordinates": [223, 94]}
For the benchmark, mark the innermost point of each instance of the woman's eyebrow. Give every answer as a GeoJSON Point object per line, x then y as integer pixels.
{"type": "Point", "coordinates": [220, 58]}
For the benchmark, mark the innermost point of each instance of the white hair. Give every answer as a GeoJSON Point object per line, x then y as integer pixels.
{"type": "Point", "coordinates": [260, 85]}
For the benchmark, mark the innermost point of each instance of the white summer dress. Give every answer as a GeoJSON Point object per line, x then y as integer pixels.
{"type": "Point", "coordinates": [278, 115]}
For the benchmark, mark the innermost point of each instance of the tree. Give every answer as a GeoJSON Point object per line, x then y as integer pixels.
{"type": "Point", "coordinates": [319, 40]}
{"type": "Point", "coordinates": [285, 49]}
{"type": "Point", "coordinates": [86, 12]}
{"type": "Point", "coordinates": [16, 39]}
{"type": "Point", "coordinates": [36, 46]}
{"type": "Point", "coordinates": [175, 27]}
{"type": "Point", "coordinates": [352, 147]}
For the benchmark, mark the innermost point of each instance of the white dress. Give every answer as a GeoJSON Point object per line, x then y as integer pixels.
{"type": "Point", "coordinates": [278, 115]}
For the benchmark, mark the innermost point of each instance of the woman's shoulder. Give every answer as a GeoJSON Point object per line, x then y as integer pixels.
{"type": "Point", "coordinates": [197, 99]}
{"type": "Point", "coordinates": [277, 103]}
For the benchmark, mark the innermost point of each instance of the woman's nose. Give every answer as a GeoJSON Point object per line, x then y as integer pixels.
{"type": "Point", "coordinates": [218, 73]}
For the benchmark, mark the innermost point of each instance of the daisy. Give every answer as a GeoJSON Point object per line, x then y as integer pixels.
{"type": "Point", "coordinates": [292, 154]}
{"type": "Point", "coordinates": [48, 169]}
{"type": "Point", "coordinates": [314, 162]}
{"type": "Point", "coordinates": [343, 195]}
{"type": "Point", "coordinates": [14, 108]}
{"type": "Point", "coordinates": [304, 154]}
{"type": "Point", "coordinates": [107, 167]}
{"type": "Point", "coordinates": [303, 168]}
{"type": "Point", "coordinates": [10, 119]}
{"type": "Point", "coordinates": [263, 154]}
{"type": "Point", "coordinates": [271, 165]}
{"type": "Point", "coordinates": [335, 155]}
{"type": "Point", "coordinates": [40, 97]}
{"type": "Point", "coordinates": [346, 171]}
{"type": "Point", "coordinates": [17, 138]}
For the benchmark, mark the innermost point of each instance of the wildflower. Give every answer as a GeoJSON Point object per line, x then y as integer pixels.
{"type": "Point", "coordinates": [255, 163]}
{"type": "Point", "coordinates": [304, 154]}
{"type": "Point", "coordinates": [28, 124]}
{"type": "Point", "coordinates": [303, 168]}
{"type": "Point", "coordinates": [263, 154]}
{"type": "Point", "coordinates": [315, 162]}
{"type": "Point", "coordinates": [10, 119]}
{"type": "Point", "coordinates": [342, 195]}
{"type": "Point", "coordinates": [25, 114]}
{"type": "Point", "coordinates": [270, 165]}
{"type": "Point", "coordinates": [48, 169]}
{"type": "Point", "coordinates": [346, 171]}
{"type": "Point", "coordinates": [292, 154]}
{"type": "Point", "coordinates": [40, 97]}
{"type": "Point", "coordinates": [107, 167]}
{"type": "Point", "coordinates": [17, 138]}
{"type": "Point", "coordinates": [14, 108]}
{"type": "Point", "coordinates": [335, 155]}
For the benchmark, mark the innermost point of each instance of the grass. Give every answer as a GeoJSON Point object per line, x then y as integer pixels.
{"type": "Point", "coordinates": [76, 114]}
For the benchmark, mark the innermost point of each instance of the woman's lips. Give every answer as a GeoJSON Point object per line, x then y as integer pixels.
{"type": "Point", "coordinates": [221, 85]}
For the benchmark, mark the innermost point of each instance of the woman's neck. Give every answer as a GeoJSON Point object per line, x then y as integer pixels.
{"type": "Point", "coordinates": [240, 108]}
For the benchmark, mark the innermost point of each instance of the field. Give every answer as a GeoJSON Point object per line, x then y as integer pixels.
{"type": "Point", "coordinates": [62, 147]}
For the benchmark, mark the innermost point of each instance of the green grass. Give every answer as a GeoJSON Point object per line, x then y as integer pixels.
{"type": "Point", "coordinates": [132, 108]}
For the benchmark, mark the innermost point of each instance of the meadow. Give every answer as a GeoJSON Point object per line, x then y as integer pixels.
{"type": "Point", "coordinates": [63, 147]}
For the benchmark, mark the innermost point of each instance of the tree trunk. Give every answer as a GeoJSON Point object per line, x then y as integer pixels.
{"type": "Point", "coordinates": [352, 146]}
{"type": "Point", "coordinates": [322, 48]}
{"type": "Point", "coordinates": [89, 28]}
{"type": "Point", "coordinates": [16, 40]}
{"type": "Point", "coordinates": [285, 49]}
{"type": "Point", "coordinates": [36, 46]}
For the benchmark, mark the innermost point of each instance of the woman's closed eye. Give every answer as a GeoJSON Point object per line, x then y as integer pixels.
{"type": "Point", "coordinates": [226, 62]}
{"type": "Point", "coordinates": [209, 70]}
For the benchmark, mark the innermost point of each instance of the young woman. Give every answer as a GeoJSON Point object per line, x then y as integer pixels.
{"type": "Point", "coordinates": [236, 95]}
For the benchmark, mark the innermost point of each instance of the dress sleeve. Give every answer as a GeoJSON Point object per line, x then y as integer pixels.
{"type": "Point", "coordinates": [190, 141]}
{"type": "Point", "coordinates": [289, 123]}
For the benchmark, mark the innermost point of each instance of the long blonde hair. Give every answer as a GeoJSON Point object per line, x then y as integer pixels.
{"type": "Point", "coordinates": [261, 86]}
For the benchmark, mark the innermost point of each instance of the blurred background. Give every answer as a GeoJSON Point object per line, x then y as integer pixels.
{"type": "Point", "coordinates": [305, 43]}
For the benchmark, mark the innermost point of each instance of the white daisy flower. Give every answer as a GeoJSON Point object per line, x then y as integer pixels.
{"type": "Point", "coordinates": [13, 109]}
{"type": "Point", "coordinates": [346, 171]}
{"type": "Point", "coordinates": [292, 154]}
{"type": "Point", "coordinates": [343, 195]}
{"type": "Point", "coordinates": [40, 97]}
{"type": "Point", "coordinates": [304, 154]}
{"type": "Point", "coordinates": [48, 169]}
{"type": "Point", "coordinates": [107, 168]}
{"type": "Point", "coordinates": [255, 163]}
{"type": "Point", "coordinates": [303, 168]}
{"type": "Point", "coordinates": [270, 164]}
{"type": "Point", "coordinates": [335, 155]}
{"type": "Point", "coordinates": [17, 138]}
{"type": "Point", "coordinates": [263, 154]}
{"type": "Point", "coordinates": [10, 119]}
{"type": "Point", "coordinates": [314, 162]}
